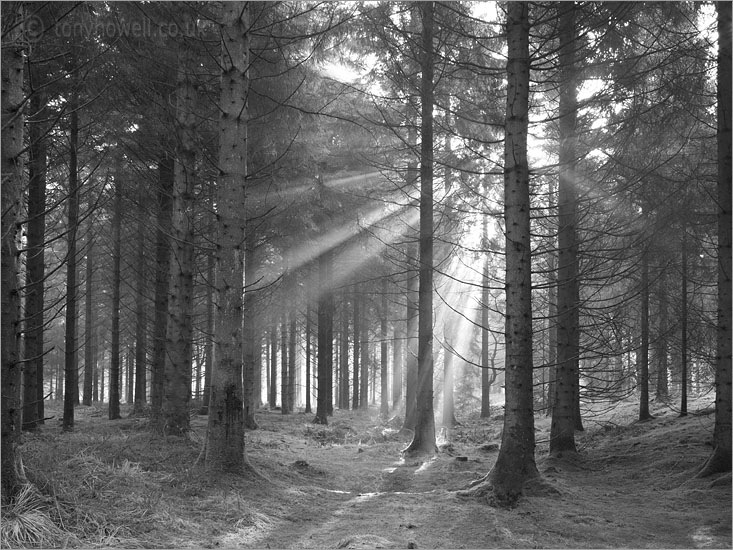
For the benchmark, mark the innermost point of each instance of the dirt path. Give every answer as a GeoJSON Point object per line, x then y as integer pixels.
{"type": "Point", "coordinates": [115, 484]}
{"type": "Point", "coordinates": [624, 489]}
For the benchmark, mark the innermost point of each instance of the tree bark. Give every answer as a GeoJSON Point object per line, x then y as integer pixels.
{"type": "Point", "coordinates": [209, 345]}
{"type": "Point", "coordinates": [141, 323]}
{"type": "Point", "coordinates": [662, 337]}
{"type": "Point", "coordinates": [250, 339]}
{"type": "Point", "coordinates": [179, 333]}
{"type": "Point", "coordinates": [273, 366]}
{"type": "Point", "coordinates": [720, 460]}
{"type": "Point", "coordinates": [225, 450]}
{"type": "Point", "coordinates": [90, 351]}
{"type": "Point", "coordinates": [383, 356]}
{"type": "Point", "coordinates": [71, 388]}
{"type": "Point", "coordinates": [162, 282]}
{"type": "Point", "coordinates": [397, 360]}
{"type": "Point", "coordinates": [33, 401]}
{"type": "Point", "coordinates": [644, 413]}
{"type": "Point", "coordinates": [284, 373]}
{"type": "Point", "coordinates": [114, 364]}
{"type": "Point", "coordinates": [344, 355]}
{"type": "Point", "coordinates": [411, 363]}
{"type": "Point", "coordinates": [423, 441]}
{"type": "Point", "coordinates": [357, 344]}
{"type": "Point", "coordinates": [562, 432]}
{"type": "Point", "coordinates": [325, 335]}
{"type": "Point", "coordinates": [515, 464]}
{"type": "Point", "coordinates": [11, 466]}
{"type": "Point", "coordinates": [683, 329]}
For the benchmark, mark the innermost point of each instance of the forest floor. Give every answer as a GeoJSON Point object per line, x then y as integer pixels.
{"type": "Point", "coordinates": [114, 484]}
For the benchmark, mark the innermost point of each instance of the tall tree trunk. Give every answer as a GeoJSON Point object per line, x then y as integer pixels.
{"type": "Point", "coordinates": [209, 345]}
{"type": "Point", "coordinates": [364, 361]}
{"type": "Point", "coordinates": [141, 323]}
{"type": "Point", "coordinates": [90, 351]}
{"type": "Point", "coordinates": [250, 339]}
{"type": "Point", "coordinates": [344, 355]}
{"type": "Point", "coordinates": [383, 357]}
{"type": "Point", "coordinates": [515, 464]}
{"type": "Point", "coordinates": [114, 364]}
{"type": "Point", "coordinates": [179, 333]}
{"type": "Point", "coordinates": [225, 449]}
{"type": "Point", "coordinates": [71, 366]}
{"type": "Point", "coordinates": [485, 374]}
{"type": "Point", "coordinates": [325, 334]}
{"type": "Point", "coordinates": [308, 354]}
{"type": "Point", "coordinates": [357, 344]}
{"type": "Point", "coordinates": [411, 363]}
{"type": "Point", "coordinates": [292, 379]}
{"type": "Point", "coordinates": [720, 460]}
{"type": "Point", "coordinates": [284, 372]}
{"type": "Point", "coordinates": [644, 413]}
{"type": "Point", "coordinates": [562, 432]}
{"type": "Point", "coordinates": [423, 441]}
{"type": "Point", "coordinates": [397, 360]}
{"type": "Point", "coordinates": [449, 408]}
{"type": "Point", "coordinates": [552, 320]}
{"type": "Point", "coordinates": [662, 338]}
{"type": "Point", "coordinates": [273, 366]}
{"type": "Point", "coordinates": [683, 329]}
{"type": "Point", "coordinates": [33, 401]}
{"type": "Point", "coordinates": [11, 466]}
{"type": "Point", "coordinates": [162, 283]}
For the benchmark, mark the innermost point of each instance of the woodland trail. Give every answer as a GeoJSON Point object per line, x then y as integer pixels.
{"type": "Point", "coordinates": [629, 486]}
{"type": "Point", "coordinates": [115, 484]}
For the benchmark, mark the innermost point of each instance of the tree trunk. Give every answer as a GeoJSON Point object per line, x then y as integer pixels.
{"type": "Point", "coordinates": [114, 364]}
{"type": "Point", "coordinates": [179, 333]}
{"type": "Point", "coordinates": [284, 373]}
{"type": "Point", "coordinates": [515, 464]}
{"type": "Point", "coordinates": [662, 338]}
{"type": "Point", "coordinates": [308, 354]}
{"type": "Point", "coordinates": [383, 357]}
{"type": "Point", "coordinates": [357, 345]}
{"type": "Point", "coordinates": [209, 345]}
{"type": "Point", "coordinates": [11, 466]}
{"type": "Point", "coordinates": [344, 356]}
{"type": "Point", "coordinates": [485, 383]}
{"type": "Point", "coordinates": [449, 408]}
{"type": "Point", "coordinates": [250, 340]}
{"type": "Point", "coordinates": [325, 335]}
{"type": "Point", "coordinates": [644, 413]}
{"type": "Point", "coordinates": [273, 366]}
{"type": "Point", "coordinates": [720, 460]}
{"type": "Point", "coordinates": [397, 360]}
{"type": "Point", "coordinates": [162, 283]}
{"type": "Point", "coordinates": [423, 442]}
{"type": "Point", "coordinates": [411, 363]}
{"type": "Point", "coordinates": [683, 329]}
{"type": "Point", "coordinates": [562, 432]}
{"type": "Point", "coordinates": [33, 401]}
{"type": "Point", "coordinates": [90, 351]}
{"type": "Point", "coordinates": [71, 366]}
{"type": "Point", "coordinates": [292, 379]}
{"type": "Point", "coordinates": [141, 323]}
{"type": "Point", "coordinates": [364, 361]}
{"type": "Point", "coordinates": [225, 450]}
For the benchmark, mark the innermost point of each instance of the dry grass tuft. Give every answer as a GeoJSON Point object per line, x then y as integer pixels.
{"type": "Point", "coordinates": [27, 523]}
